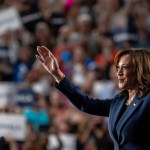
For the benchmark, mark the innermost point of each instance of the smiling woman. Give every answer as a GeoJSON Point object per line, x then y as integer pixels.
{"type": "Point", "coordinates": [135, 63]}
{"type": "Point", "coordinates": [124, 73]}
{"type": "Point", "coordinates": [128, 111]}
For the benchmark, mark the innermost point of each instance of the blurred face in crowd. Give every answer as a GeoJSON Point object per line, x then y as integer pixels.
{"type": "Point", "coordinates": [125, 74]}
{"type": "Point", "coordinates": [24, 54]}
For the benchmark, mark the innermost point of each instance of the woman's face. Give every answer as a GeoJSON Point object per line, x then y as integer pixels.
{"type": "Point", "coordinates": [125, 75]}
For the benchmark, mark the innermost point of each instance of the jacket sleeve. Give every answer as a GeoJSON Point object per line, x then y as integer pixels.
{"type": "Point", "coordinates": [82, 101]}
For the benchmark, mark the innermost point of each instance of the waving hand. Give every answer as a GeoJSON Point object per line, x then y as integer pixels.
{"type": "Point", "coordinates": [49, 62]}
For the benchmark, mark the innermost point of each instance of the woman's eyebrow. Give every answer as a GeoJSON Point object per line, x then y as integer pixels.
{"type": "Point", "coordinates": [122, 65]}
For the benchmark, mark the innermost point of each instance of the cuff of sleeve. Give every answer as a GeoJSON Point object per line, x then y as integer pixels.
{"type": "Point", "coordinates": [57, 83]}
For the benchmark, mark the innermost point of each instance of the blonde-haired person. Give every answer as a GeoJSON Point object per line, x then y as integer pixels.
{"type": "Point", "coordinates": [128, 111]}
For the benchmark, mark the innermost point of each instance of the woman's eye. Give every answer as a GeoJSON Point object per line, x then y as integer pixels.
{"type": "Point", "coordinates": [124, 67]}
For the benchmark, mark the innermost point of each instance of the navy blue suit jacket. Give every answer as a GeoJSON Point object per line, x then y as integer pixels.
{"type": "Point", "coordinates": [131, 131]}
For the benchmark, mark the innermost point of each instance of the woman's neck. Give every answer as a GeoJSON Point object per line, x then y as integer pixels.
{"type": "Point", "coordinates": [132, 94]}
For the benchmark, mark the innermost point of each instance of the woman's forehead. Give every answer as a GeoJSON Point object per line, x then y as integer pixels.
{"type": "Point", "coordinates": [125, 59]}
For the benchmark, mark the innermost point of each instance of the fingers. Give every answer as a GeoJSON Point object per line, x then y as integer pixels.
{"type": "Point", "coordinates": [47, 51]}
{"type": "Point", "coordinates": [39, 58]}
{"type": "Point", "coordinates": [44, 53]}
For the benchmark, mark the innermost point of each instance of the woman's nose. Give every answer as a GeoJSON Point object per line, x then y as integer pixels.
{"type": "Point", "coordinates": [119, 71]}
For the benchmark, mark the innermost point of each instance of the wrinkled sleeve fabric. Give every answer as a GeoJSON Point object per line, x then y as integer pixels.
{"type": "Point", "coordinates": [82, 101]}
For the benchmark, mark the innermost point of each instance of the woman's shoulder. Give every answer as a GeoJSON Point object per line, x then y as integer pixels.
{"type": "Point", "coordinates": [146, 96]}
{"type": "Point", "coordinates": [121, 95]}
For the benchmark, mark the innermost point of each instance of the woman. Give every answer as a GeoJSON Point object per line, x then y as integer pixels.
{"type": "Point", "coordinates": [128, 111]}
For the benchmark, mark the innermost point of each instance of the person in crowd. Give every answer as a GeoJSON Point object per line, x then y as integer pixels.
{"type": "Point", "coordinates": [4, 145]}
{"type": "Point", "coordinates": [128, 111]}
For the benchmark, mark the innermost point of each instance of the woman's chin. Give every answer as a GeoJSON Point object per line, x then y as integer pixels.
{"type": "Point", "coordinates": [121, 86]}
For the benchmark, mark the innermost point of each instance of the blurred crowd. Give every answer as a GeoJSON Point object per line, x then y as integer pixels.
{"type": "Point", "coordinates": [84, 35]}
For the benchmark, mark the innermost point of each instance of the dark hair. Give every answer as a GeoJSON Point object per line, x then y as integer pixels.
{"type": "Point", "coordinates": [4, 145]}
{"type": "Point", "coordinates": [140, 63]}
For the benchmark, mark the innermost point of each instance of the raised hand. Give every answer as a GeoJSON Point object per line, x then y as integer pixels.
{"type": "Point", "coordinates": [49, 62]}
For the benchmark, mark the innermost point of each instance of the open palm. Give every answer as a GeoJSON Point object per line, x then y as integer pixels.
{"type": "Point", "coordinates": [49, 62]}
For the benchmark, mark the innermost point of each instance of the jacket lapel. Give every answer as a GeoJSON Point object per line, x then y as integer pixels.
{"type": "Point", "coordinates": [128, 113]}
{"type": "Point", "coordinates": [114, 114]}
